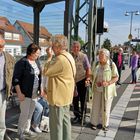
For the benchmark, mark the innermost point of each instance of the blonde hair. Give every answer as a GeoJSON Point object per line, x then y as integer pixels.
{"type": "Point", "coordinates": [60, 41]}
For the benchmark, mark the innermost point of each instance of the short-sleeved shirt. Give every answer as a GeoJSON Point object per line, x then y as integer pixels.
{"type": "Point", "coordinates": [82, 64]}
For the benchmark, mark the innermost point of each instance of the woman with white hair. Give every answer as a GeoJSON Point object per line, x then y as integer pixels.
{"type": "Point", "coordinates": [104, 77]}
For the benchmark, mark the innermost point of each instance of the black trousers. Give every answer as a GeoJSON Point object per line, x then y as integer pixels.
{"type": "Point", "coordinates": [78, 111]}
{"type": "Point", "coordinates": [119, 72]}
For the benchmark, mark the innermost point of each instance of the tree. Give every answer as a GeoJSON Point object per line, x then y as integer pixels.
{"type": "Point", "coordinates": [107, 44]}
{"type": "Point", "coordinates": [79, 39]}
{"type": "Point", "coordinates": [127, 43]}
{"type": "Point", "coordinates": [138, 47]}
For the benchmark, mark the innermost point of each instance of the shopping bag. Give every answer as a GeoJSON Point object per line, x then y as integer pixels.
{"type": "Point", "coordinates": [44, 125]}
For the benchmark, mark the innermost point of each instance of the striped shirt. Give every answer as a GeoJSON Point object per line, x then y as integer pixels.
{"type": "Point", "coordinates": [36, 79]}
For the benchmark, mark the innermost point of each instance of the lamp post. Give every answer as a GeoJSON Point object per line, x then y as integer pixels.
{"type": "Point", "coordinates": [131, 13]}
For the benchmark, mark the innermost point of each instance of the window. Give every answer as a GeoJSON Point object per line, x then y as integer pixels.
{"type": "Point", "coordinates": [16, 37]}
{"type": "Point", "coordinates": [8, 35]}
{"type": "Point", "coordinates": [8, 50]}
{"type": "Point", "coordinates": [41, 40]}
{"type": "Point", "coordinates": [15, 50]}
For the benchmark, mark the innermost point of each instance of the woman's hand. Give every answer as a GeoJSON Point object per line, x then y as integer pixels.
{"type": "Point", "coordinates": [87, 82]}
{"type": "Point", "coordinates": [105, 83]}
{"type": "Point", "coordinates": [21, 97]}
{"type": "Point", "coordinates": [99, 84]}
{"type": "Point", "coordinates": [44, 93]}
{"type": "Point", "coordinates": [49, 52]}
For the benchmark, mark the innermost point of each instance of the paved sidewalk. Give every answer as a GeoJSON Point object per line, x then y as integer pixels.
{"type": "Point", "coordinates": [124, 120]}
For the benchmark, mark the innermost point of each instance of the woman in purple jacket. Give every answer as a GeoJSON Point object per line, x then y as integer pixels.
{"type": "Point", "coordinates": [134, 65]}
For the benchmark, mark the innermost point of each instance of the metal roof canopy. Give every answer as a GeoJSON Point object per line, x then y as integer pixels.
{"type": "Point", "coordinates": [38, 6]}
{"type": "Point", "coordinates": [32, 3]}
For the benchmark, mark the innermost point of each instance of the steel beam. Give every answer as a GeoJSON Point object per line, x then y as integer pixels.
{"type": "Point", "coordinates": [68, 20]}
{"type": "Point", "coordinates": [33, 2]}
{"type": "Point", "coordinates": [26, 2]}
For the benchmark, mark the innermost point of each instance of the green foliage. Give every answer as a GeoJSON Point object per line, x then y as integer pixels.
{"type": "Point", "coordinates": [127, 43]}
{"type": "Point", "coordinates": [107, 44]}
{"type": "Point", "coordinates": [79, 39]}
{"type": "Point", "coordinates": [138, 47]}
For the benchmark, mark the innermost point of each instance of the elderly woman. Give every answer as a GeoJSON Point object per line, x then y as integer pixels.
{"type": "Point", "coordinates": [104, 78]}
{"type": "Point", "coordinates": [60, 72]}
{"type": "Point", "coordinates": [27, 81]}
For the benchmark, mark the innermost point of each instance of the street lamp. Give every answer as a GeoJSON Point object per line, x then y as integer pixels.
{"type": "Point", "coordinates": [131, 13]}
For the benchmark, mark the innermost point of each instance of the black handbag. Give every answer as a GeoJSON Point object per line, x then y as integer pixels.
{"type": "Point", "coordinates": [123, 67]}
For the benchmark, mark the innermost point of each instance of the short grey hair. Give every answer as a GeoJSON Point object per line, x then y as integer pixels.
{"type": "Point", "coordinates": [2, 41]}
{"type": "Point", "coordinates": [76, 42]}
{"type": "Point", "coordinates": [60, 41]}
{"type": "Point", "coordinates": [105, 51]}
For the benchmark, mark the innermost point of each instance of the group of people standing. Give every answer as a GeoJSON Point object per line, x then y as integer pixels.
{"type": "Point", "coordinates": [134, 64]}
{"type": "Point", "coordinates": [64, 72]}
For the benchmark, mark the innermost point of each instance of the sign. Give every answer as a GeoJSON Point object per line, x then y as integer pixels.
{"type": "Point", "coordinates": [135, 40]}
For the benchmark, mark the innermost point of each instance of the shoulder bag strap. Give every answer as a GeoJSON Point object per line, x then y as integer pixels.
{"type": "Point", "coordinates": [70, 64]}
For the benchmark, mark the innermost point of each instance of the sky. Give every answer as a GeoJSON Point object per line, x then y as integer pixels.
{"type": "Point", "coordinates": [52, 17]}
{"type": "Point", "coordinates": [119, 24]}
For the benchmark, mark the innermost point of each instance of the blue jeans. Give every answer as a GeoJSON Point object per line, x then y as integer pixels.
{"type": "Point", "coordinates": [45, 105]}
{"type": "Point", "coordinates": [37, 114]}
{"type": "Point", "coordinates": [134, 76]}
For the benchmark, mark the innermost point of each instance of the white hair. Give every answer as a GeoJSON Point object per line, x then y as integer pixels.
{"type": "Point", "coordinates": [105, 51]}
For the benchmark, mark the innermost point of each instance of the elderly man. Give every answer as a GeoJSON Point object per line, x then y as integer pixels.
{"type": "Point", "coordinates": [6, 72]}
{"type": "Point", "coordinates": [82, 74]}
{"type": "Point", "coordinates": [61, 72]}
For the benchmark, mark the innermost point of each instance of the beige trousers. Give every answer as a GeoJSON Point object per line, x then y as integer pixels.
{"type": "Point", "coordinates": [100, 109]}
{"type": "Point", "coordinates": [60, 125]}
{"type": "Point", "coordinates": [2, 114]}
{"type": "Point", "coordinates": [27, 108]}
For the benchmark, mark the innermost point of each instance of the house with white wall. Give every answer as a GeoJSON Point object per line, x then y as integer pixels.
{"type": "Point", "coordinates": [26, 29]}
{"type": "Point", "coordinates": [12, 37]}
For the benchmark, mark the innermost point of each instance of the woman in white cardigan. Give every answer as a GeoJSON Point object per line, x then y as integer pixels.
{"type": "Point", "coordinates": [104, 77]}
